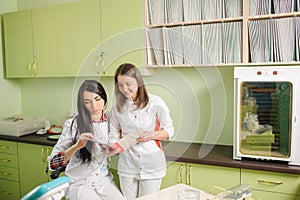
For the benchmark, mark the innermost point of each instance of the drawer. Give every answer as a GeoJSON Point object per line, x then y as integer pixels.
{"type": "Point", "coordinates": [271, 181]}
{"type": "Point", "coordinates": [256, 194]}
{"type": "Point", "coordinates": [8, 147]}
{"type": "Point", "coordinates": [9, 160]}
{"type": "Point", "coordinates": [9, 173]}
{"type": "Point", "coordinates": [9, 190]}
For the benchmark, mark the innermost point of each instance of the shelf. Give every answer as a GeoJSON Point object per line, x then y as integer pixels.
{"type": "Point", "coordinates": [246, 36]}
{"type": "Point", "coordinates": [208, 21]}
{"type": "Point", "coordinates": [227, 65]}
{"type": "Point", "coordinates": [274, 16]}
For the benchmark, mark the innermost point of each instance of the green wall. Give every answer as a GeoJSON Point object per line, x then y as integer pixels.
{"type": "Point", "coordinates": [189, 93]}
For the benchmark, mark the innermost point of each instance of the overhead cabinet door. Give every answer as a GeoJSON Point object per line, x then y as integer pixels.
{"type": "Point", "coordinates": [18, 44]}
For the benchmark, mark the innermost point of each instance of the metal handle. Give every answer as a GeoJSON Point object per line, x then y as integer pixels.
{"type": "Point", "coordinates": [189, 182]}
{"type": "Point", "coordinates": [4, 147]}
{"type": "Point", "coordinates": [43, 155]}
{"type": "Point", "coordinates": [6, 173]}
{"type": "Point", "coordinates": [34, 66]}
{"type": "Point", "coordinates": [269, 182]}
{"type": "Point", "coordinates": [7, 193]}
{"type": "Point", "coordinates": [100, 62]}
{"type": "Point", "coordinates": [30, 67]}
{"type": "Point", "coordinates": [4, 160]}
{"type": "Point", "coordinates": [180, 173]}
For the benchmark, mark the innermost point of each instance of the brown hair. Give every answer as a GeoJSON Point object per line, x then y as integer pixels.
{"type": "Point", "coordinates": [84, 123]}
{"type": "Point", "coordinates": [130, 70]}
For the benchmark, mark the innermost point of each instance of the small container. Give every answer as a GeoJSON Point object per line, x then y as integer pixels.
{"type": "Point", "coordinates": [188, 194]}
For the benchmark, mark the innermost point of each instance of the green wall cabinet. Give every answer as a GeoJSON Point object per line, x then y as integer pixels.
{"type": "Point", "coordinates": [271, 185]}
{"type": "Point", "coordinates": [122, 33]}
{"type": "Point", "coordinates": [33, 164]}
{"type": "Point", "coordinates": [52, 41]}
{"type": "Point", "coordinates": [18, 44]}
{"type": "Point", "coordinates": [86, 38]}
{"type": "Point", "coordinates": [205, 177]}
{"type": "Point", "coordinates": [9, 171]}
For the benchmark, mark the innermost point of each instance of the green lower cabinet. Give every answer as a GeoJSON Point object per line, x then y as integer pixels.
{"type": "Point", "coordinates": [208, 178]}
{"type": "Point", "coordinates": [264, 195]}
{"type": "Point", "coordinates": [33, 164]}
{"type": "Point", "coordinates": [9, 171]}
{"type": "Point", "coordinates": [9, 190]}
{"type": "Point", "coordinates": [271, 185]}
{"type": "Point", "coordinates": [176, 173]}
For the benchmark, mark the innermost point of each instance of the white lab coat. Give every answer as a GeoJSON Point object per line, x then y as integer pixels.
{"type": "Point", "coordinates": [91, 181]}
{"type": "Point", "coordinates": [143, 160]}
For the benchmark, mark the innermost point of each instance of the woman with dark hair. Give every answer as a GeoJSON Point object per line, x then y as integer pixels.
{"type": "Point", "coordinates": [86, 163]}
{"type": "Point", "coordinates": [145, 117]}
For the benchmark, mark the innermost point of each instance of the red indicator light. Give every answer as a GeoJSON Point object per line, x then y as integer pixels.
{"type": "Point", "coordinates": [275, 72]}
{"type": "Point", "coordinates": [258, 72]}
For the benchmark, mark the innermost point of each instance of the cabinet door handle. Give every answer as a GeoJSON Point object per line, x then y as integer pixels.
{"type": "Point", "coordinates": [4, 160]}
{"type": "Point", "coordinates": [4, 147]}
{"type": "Point", "coordinates": [100, 62]}
{"type": "Point", "coordinates": [189, 182]}
{"type": "Point", "coordinates": [6, 173]}
{"type": "Point", "coordinates": [180, 173]}
{"type": "Point", "coordinates": [43, 155]}
{"type": "Point", "coordinates": [269, 182]}
{"type": "Point", "coordinates": [7, 193]}
{"type": "Point", "coordinates": [34, 67]}
{"type": "Point", "coordinates": [30, 67]}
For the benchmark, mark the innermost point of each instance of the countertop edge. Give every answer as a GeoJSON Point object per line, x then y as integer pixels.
{"type": "Point", "coordinates": [215, 155]}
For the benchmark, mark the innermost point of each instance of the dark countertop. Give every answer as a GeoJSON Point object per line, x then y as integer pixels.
{"type": "Point", "coordinates": [217, 155]}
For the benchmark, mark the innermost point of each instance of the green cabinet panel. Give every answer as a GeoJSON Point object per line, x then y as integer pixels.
{"type": "Point", "coordinates": [18, 43]}
{"type": "Point", "coordinates": [82, 38]}
{"type": "Point", "coordinates": [212, 178]}
{"type": "Point", "coordinates": [9, 160]}
{"type": "Point", "coordinates": [8, 147]}
{"type": "Point", "coordinates": [261, 195]}
{"type": "Point", "coordinates": [122, 33]}
{"type": "Point", "coordinates": [9, 190]}
{"type": "Point", "coordinates": [9, 173]}
{"type": "Point", "coordinates": [205, 177]}
{"type": "Point", "coordinates": [271, 181]}
{"type": "Point", "coordinates": [33, 163]}
{"type": "Point", "coordinates": [176, 173]}
{"type": "Point", "coordinates": [48, 40]}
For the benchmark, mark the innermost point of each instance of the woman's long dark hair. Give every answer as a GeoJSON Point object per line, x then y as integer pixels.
{"type": "Point", "coordinates": [83, 119]}
{"type": "Point", "coordinates": [130, 70]}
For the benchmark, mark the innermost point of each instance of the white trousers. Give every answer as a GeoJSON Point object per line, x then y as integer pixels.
{"type": "Point", "coordinates": [133, 188]}
{"type": "Point", "coordinates": [94, 190]}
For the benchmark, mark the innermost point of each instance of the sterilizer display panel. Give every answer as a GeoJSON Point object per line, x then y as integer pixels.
{"type": "Point", "coordinates": [265, 118]}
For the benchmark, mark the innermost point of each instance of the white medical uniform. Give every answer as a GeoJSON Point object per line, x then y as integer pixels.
{"type": "Point", "coordinates": [145, 160]}
{"type": "Point", "coordinates": [88, 181]}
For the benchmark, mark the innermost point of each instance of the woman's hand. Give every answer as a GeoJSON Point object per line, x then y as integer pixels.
{"type": "Point", "coordinates": [147, 136]}
{"type": "Point", "coordinates": [83, 138]}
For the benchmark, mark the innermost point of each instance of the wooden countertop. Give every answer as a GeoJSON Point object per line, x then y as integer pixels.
{"type": "Point", "coordinates": [217, 155]}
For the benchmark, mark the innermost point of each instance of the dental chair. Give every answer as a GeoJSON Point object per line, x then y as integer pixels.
{"type": "Point", "coordinates": [53, 190]}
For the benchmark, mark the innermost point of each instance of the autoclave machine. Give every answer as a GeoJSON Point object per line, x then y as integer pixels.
{"type": "Point", "coordinates": [266, 111]}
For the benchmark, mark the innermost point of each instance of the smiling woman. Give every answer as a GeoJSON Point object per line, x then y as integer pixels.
{"type": "Point", "coordinates": [145, 116]}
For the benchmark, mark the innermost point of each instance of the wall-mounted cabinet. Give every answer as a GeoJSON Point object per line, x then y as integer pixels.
{"type": "Point", "coordinates": [122, 33]}
{"type": "Point", "coordinates": [86, 38]}
{"type": "Point", "coordinates": [222, 33]}
{"type": "Point", "coordinates": [50, 41]}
